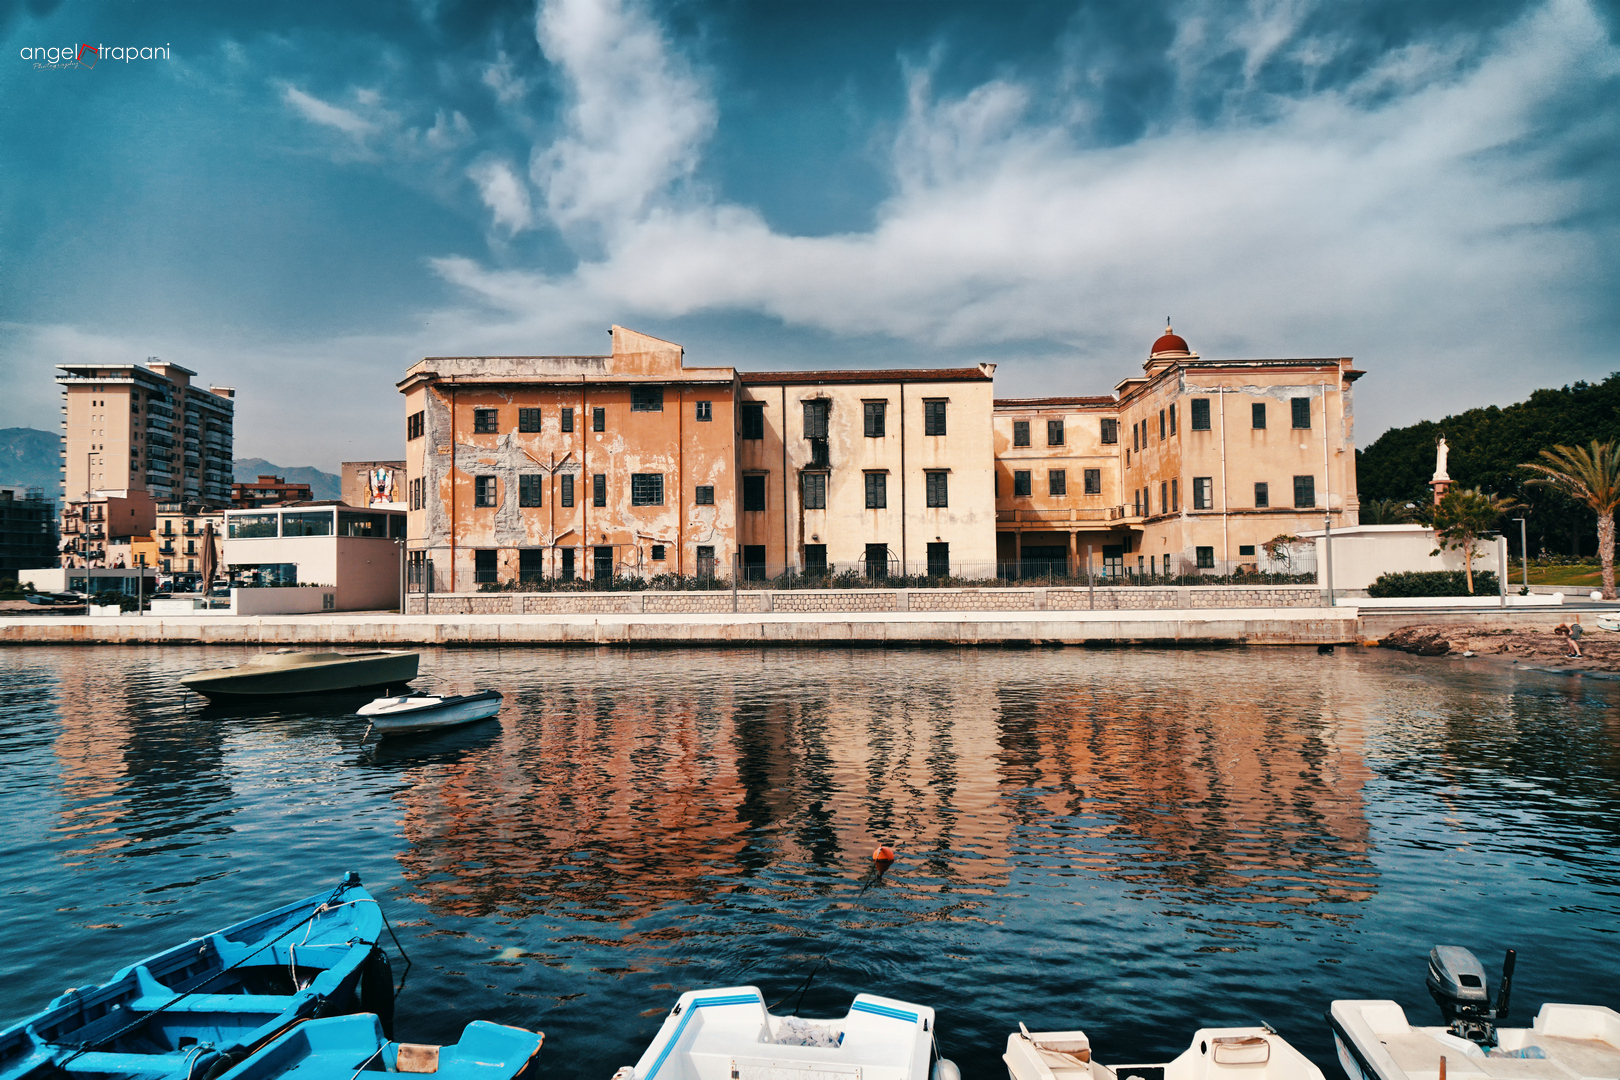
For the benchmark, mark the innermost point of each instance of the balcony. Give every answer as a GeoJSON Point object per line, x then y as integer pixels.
{"type": "Point", "coordinates": [1057, 517]}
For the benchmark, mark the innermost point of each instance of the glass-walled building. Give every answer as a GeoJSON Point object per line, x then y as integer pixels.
{"type": "Point", "coordinates": [358, 552]}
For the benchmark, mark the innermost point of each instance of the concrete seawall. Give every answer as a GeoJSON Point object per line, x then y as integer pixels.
{"type": "Point", "coordinates": [1229, 626]}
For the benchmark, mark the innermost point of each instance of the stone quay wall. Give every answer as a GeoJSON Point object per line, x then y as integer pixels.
{"type": "Point", "coordinates": [763, 601]}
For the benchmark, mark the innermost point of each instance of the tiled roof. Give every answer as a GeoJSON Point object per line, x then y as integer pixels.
{"type": "Point", "coordinates": [785, 378]}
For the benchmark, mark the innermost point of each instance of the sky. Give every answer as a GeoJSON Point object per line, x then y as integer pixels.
{"type": "Point", "coordinates": [302, 199]}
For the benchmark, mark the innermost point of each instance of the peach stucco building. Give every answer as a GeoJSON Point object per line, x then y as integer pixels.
{"type": "Point", "coordinates": [633, 463]}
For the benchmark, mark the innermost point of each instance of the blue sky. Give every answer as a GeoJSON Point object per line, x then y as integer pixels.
{"type": "Point", "coordinates": [304, 198]}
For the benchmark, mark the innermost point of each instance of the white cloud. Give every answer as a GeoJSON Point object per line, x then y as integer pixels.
{"type": "Point", "coordinates": [636, 116]}
{"type": "Point", "coordinates": [504, 192]}
{"type": "Point", "coordinates": [1405, 217]}
{"type": "Point", "coordinates": [325, 113]}
{"type": "Point", "coordinates": [509, 88]}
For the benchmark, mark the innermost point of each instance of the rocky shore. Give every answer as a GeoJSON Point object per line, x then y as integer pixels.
{"type": "Point", "coordinates": [1538, 646]}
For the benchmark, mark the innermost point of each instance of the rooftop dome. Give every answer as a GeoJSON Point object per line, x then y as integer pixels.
{"type": "Point", "coordinates": [1170, 344]}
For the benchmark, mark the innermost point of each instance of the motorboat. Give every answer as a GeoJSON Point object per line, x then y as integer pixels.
{"type": "Point", "coordinates": [1376, 1042]}
{"type": "Point", "coordinates": [729, 1034]}
{"type": "Point", "coordinates": [212, 1000]}
{"type": "Point", "coordinates": [344, 1047]}
{"type": "Point", "coordinates": [410, 714]}
{"type": "Point", "coordinates": [55, 599]}
{"type": "Point", "coordinates": [1258, 1053]}
{"type": "Point", "coordinates": [290, 673]}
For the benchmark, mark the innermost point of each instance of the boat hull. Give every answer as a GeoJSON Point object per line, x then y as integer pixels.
{"type": "Point", "coordinates": [1253, 1053]}
{"type": "Point", "coordinates": [451, 713]}
{"type": "Point", "coordinates": [175, 1013]}
{"type": "Point", "coordinates": [296, 674]}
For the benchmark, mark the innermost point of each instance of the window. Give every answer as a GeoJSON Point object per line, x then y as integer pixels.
{"type": "Point", "coordinates": [1175, 495]}
{"type": "Point", "coordinates": [815, 419]}
{"type": "Point", "coordinates": [484, 565]}
{"type": "Point", "coordinates": [529, 488]}
{"type": "Point", "coordinates": [1258, 412]}
{"type": "Point", "coordinates": [484, 491]}
{"type": "Point", "coordinates": [1057, 482]}
{"type": "Point", "coordinates": [754, 492]}
{"type": "Point", "coordinates": [705, 411]}
{"type": "Point", "coordinates": [939, 560]}
{"type": "Point", "coordinates": [1206, 558]}
{"type": "Point", "coordinates": [1110, 430]}
{"type": "Point", "coordinates": [1172, 418]}
{"type": "Point", "coordinates": [877, 491]}
{"type": "Point", "coordinates": [936, 485]}
{"type": "Point", "coordinates": [1054, 433]}
{"type": "Point", "coordinates": [705, 495]}
{"type": "Point", "coordinates": [599, 489]}
{"type": "Point", "coordinates": [531, 565]}
{"type": "Point", "coordinates": [814, 485]}
{"type": "Point", "coordinates": [598, 418]}
{"type": "Point", "coordinates": [1020, 432]}
{"type": "Point", "coordinates": [568, 489]}
{"type": "Point", "coordinates": [1304, 491]}
{"type": "Point", "coordinates": [1164, 497]}
{"type": "Point", "coordinates": [1136, 502]}
{"type": "Point", "coordinates": [1093, 481]}
{"type": "Point", "coordinates": [1200, 414]}
{"type": "Point", "coordinates": [646, 399]}
{"type": "Point", "coordinates": [486, 422]}
{"type": "Point", "coordinates": [753, 558]}
{"type": "Point", "coordinates": [705, 560]}
{"type": "Point", "coordinates": [528, 421]}
{"type": "Point", "coordinates": [874, 411]}
{"type": "Point", "coordinates": [1245, 549]}
{"type": "Point", "coordinates": [1262, 496]}
{"type": "Point", "coordinates": [1021, 484]}
{"type": "Point", "coordinates": [815, 558]}
{"type": "Point", "coordinates": [567, 423]}
{"type": "Point", "coordinates": [1136, 437]}
{"type": "Point", "coordinates": [313, 523]}
{"type": "Point", "coordinates": [753, 420]}
{"type": "Point", "coordinates": [1161, 425]}
{"type": "Point", "coordinates": [647, 489]}
{"type": "Point", "coordinates": [933, 417]}
{"type": "Point", "coordinates": [1203, 492]}
{"type": "Point", "coordinates": [414, 425]}
{"type": "Point", "coordinates": [658, 552]}
{"type": "Point", "coordinates": [1302, 411]}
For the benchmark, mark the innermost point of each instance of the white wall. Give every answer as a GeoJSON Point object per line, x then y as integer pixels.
{"type": "Point", "coordinates": [298, 601]}
{"type": "Point", "coordinates": [1362, 553]}
{"type": "Point", "coordinates": [363, 569]}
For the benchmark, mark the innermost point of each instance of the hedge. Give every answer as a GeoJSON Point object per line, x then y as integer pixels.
{"type": "Point", "coordinates": [1433, 583]}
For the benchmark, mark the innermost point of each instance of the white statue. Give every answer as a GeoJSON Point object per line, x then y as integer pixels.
{"type": "Point", "coordinates": [1440, 452]}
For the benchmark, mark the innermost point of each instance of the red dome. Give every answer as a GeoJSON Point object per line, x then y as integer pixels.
{"type": "Point", "coordinates": [1170, 342]}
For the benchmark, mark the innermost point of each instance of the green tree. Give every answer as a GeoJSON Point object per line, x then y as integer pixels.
{"type": "Point", "coordinates": [1462, 516]}
{"type": "Point", "coordinates": [1591, 475]}
{"type": "Point", "coordinates": [1386, 512]}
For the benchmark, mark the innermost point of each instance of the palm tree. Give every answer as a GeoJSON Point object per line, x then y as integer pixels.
{"type": "Point", "coordinates": [1385, 512]}
{"type": "Point", "coordinates": [1588, 474]}
{"type": "Point", "coordinates": [1462, 516]}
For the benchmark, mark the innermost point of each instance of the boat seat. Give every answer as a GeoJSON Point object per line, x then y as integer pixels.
{"type": "Point", "coordinates": [129, 1065]}
{"type": "Point", "coordinates": [268, 1005]}
{"type": "Point", "coordinates": [783, 1068]}
{"type": "Point", "coordinates": [1584, 1057]}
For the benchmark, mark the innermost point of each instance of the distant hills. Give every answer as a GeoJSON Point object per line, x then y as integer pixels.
{"type": "Point", "coordinates": [322, 485]}
{"type": "Point", "coordinates": [33, 458]}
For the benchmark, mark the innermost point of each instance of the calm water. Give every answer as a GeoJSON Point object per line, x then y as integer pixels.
{"type": "Point", "coordinates": [1132, 842]}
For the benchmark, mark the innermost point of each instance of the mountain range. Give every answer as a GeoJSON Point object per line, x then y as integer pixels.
{"type": "Point", "coordinates": [32, 458]}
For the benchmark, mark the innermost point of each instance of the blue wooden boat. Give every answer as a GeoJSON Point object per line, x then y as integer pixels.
{"type": "Point", "coordinates": [344, 1047]}
{"type": "Point", "coordinates": [201, 1007]}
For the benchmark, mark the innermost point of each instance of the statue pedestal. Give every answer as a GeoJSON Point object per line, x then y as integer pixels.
{"type": "Point", "coordinates": [1439, 487]}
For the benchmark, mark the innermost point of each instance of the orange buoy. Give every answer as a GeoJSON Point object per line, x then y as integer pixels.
{"type": "Point", "coordinates": [883, 854]}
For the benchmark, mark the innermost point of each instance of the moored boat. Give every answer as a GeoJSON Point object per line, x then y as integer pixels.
{"type": "Point", "coordinates": [1375, 1041]}
{"type": "Point", "coordinates": [1257, 1053]}
{"type": "Point", "coordinates": [291, 673]}
{"type": "Point", "coordinates": [341, 1048]}
{"type": "Point", "coordinates": [211, 1000]}
{"type": "Point", "coordinates": [411, 714]}
{"type": "Point", "coordinates": [728, 1034]}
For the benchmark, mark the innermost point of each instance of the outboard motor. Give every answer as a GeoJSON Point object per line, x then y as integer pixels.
{"type": "Point", "coordinates": [1456, 981]}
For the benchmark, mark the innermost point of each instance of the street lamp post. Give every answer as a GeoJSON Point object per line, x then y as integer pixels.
{"type": "Point", "coordinates": [1524, 554]}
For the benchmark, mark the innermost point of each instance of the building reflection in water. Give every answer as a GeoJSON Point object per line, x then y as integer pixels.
{"type": "Point", "coordinates": [618, 801]}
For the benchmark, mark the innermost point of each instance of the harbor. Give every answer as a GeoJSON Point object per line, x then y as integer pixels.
{"type": "Point", "coordinates": [1132, 842]}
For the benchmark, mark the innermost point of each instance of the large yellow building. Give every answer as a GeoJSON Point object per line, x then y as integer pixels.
{"type": "Point", "coordinates": [588, 467]}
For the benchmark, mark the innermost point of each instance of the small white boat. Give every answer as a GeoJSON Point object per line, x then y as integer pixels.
{"type": "Point", "coordinates": [412, 713]}
{"type": "Point", "coordinates": [1257, 1053]}
{"type": "Point", "coordinates": [1608, 622]}
{"type": "Point", "coordinates": [1375, 1041]}
{"type": "Point", "coordinates": [728, 1034]}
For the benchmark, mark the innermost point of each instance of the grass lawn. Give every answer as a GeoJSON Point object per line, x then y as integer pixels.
{"type": "Point", "coordinates": [1590, 577]}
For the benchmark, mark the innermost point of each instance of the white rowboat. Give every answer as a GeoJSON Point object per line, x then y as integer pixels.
{"type": "Point", "coordinates": [1375, 1042]}
{"type": "Point", "coordinates": [413, 713]}
{"type": "Point", "coordinates": [1254, 1053]}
